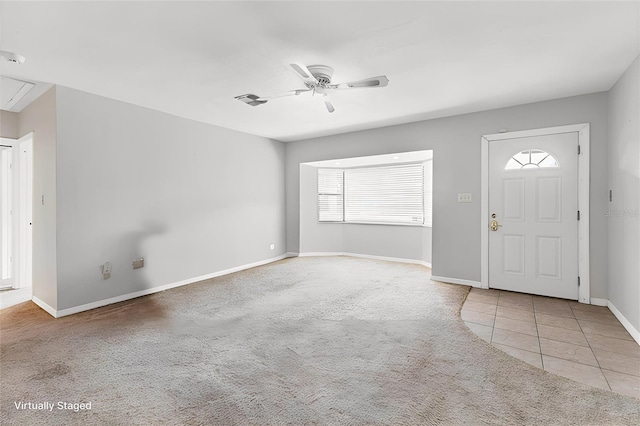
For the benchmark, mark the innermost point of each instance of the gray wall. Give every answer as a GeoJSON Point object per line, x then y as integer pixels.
{"type": "Point", "coordinates": [402, 242]}
{"type": "Point", "coordinates": [189, 197]}
{"type": "Point", "coordinates": [624, 180]}
{"type": "Point", "coordinates": [456, 144]}
{"type": "Point", "coordinates": [40, 117]}
{"type": "Point", "coordinates": [9, 125]}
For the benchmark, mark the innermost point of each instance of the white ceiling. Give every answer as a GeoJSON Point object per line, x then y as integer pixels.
{"type": "Point", "coordinates": [442, 58]}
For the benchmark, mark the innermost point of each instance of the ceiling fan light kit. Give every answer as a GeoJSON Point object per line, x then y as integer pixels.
{"type": "Point", "coordinates": [317, 79]}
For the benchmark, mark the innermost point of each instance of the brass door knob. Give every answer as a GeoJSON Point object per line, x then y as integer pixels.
{"type": "Point", "coordinates": [494, 225]}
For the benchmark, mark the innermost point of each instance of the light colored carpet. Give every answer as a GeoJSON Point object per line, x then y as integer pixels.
{"type": "Point", "coordinates": [301, 341]}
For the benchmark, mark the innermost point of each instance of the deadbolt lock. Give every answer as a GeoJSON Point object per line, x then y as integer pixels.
{"type": "Point", "coordinates": [493, 216]}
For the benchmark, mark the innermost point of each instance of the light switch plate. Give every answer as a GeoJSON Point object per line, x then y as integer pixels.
{"type": "Point", "coordinates": [464, 198]}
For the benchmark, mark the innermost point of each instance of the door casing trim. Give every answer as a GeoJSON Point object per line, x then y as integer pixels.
{"type": "Point", "coordinates": [583, 199]}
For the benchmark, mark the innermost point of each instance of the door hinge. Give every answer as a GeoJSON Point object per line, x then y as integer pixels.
{"type": "Point", "coordinates": [578, 214]}
{"type": "Point", "coordinates": [578, 281]}
{"type": "Point", "coordinates": [578, 149]}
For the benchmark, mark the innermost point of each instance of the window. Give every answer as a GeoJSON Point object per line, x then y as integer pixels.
{"type": "Point", "coordinates": [531, 159]}
{"type": "Point", "coordinates": [330, 196]}
{"type": "Point", "coordinates": [384, 194]}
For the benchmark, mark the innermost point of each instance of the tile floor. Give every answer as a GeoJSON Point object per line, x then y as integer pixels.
{"type": "Point", "coordinates": [585, 343]}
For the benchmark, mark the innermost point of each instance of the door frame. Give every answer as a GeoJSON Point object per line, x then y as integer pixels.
{"type": "Point", "coordinates": [25, 209]}
{"type": "Point", "coordinates": [10, 219]}
{"type": "Point", "coordinates": [22, 187]}
{"type": "Point", "coordinates": [583, 199]}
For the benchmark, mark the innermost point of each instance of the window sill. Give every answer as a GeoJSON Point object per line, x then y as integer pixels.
{"type": "Point", "coordinates": [380, 223]}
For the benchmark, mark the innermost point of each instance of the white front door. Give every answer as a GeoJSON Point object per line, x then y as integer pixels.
{"type": "Point", "coordinates": [533, 215]}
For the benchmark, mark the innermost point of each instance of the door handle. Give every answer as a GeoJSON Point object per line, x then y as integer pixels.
{"type": "Point", "coordinates": [494, 225]}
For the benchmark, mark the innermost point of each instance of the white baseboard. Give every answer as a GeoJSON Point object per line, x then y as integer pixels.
{"type": "Point", "coordinates": [389, 259]}
{"type": "Point", "coordinates": [320, 253]}
{"type": "Point", "coordinates": [133, 295]}
{"type": "Point", "coordinates": [44, 306]}
{"type": "Point", "coordinates": [365, 256]}
{"type": "Point", "coordinates": [291, 254]}
{"type": "Point", "coordinates": [625, 322]}
{"type": "Point", "coordinates": [599, 302]}
{"type": "Point", "coordinates": [456, 281]}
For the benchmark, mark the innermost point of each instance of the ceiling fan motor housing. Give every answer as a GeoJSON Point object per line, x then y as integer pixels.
{"type": "Point", "coordinates": [322, 73]}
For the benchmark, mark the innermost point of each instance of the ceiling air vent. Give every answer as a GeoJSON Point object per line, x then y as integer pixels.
{"type": "Point", "coordinates": [12, 91]}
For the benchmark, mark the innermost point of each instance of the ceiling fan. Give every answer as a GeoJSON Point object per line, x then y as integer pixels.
{"type": "Point", "coordinates": [317, 80]}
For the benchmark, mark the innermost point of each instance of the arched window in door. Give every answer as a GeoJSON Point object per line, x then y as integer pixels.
{"type": "Point", "coordinates": [531, 159]}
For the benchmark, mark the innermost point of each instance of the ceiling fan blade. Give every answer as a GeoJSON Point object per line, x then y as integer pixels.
{"type": "Point", "coordinates": [302, 72]}
{"type": "Point", "coordinates": [298, 91]}
{"type": "Point", "coordinates": [289, 93]}
{"type": "Point", "coordinates": [255, 100]}
{"type": "Point", "coordinates": [251, 99]}
{"type": "Point", "coordinates": [380, 81]}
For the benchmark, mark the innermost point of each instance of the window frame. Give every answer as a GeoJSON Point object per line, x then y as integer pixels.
{"type": "Point", "coordinates": [425, 223]}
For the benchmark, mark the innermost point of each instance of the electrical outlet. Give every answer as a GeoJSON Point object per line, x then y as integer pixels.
{"type": "Point", "coordinates": [464, 198]}
{"type": "Point", "coordinates": [272, 246]}
{"type": "Point", "coordinates": [106, 270]}
{"type": "Point", "coordinates": [138, 263]}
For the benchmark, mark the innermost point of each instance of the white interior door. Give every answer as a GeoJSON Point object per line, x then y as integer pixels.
{"type": "Point", "coordinates": [533, 214]}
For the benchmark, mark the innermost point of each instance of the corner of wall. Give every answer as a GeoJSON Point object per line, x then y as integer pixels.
{"type": "Point", "coordinates": [9, 125]}
{"type": "Point", "coordinates": [623, 208]}
{"type": "Point", "coordinates": [40, 118]}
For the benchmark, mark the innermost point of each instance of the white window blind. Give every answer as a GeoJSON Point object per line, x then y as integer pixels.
{"type": "Point", "coordinates": [330, 195]}
{"type": "Point", "coordinates": [388, 194]}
